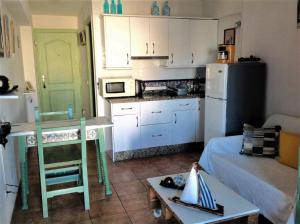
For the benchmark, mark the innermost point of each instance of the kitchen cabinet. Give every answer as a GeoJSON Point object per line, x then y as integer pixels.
{"type": "Point", "coordinates": [203, 41]}
{"type": "Point", "coordinates": [9, 180]}
{"type": "Point", "coordinates": [117, 42]}
{"type": "Point", "coordinates": [200, 120]}
{"type": "Point", "coordinates": [126, 130]}
{"type": "Point", "coordinates": [184, 125]}
{"type": "Point", "coordinates": [148, 36]}
{"type": "Point", "coordinates": [179, 43]}
{"type": "Point", "coordinates": [126, 133]}
{"type": "Point", "coordinates": [147, 124]}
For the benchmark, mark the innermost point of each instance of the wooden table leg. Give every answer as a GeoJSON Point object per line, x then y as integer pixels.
{"type": "Point", "coordinates": [152, 199]}
{"type": "Point", "coordinates": [23, 171]}
{"type": "Point", "coordinates": [103, 161]}
{"type": "Point", "coordinates": [166, 212]}
{"type": "Point", "coordinates": [253, 219]}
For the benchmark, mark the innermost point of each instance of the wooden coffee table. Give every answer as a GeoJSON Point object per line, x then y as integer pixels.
{"type": "Point", "coordinates": [235, 207]}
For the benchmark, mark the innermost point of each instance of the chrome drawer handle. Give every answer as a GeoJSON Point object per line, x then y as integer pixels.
{"type": "Point", "coordinates": [137, 121]}
{"type": "Point", "coordinates": [126, 108]}
{"type": "Point", "coordinates": [156, 112]}
{"type": "Point", "coordinates": [183, 105]}
{"type": "Point", "coordinates": [146, 48]}
{"type": "Point", "coordinates": [175, 118]}
{"type": "Point", "coordinates": [160, 135]}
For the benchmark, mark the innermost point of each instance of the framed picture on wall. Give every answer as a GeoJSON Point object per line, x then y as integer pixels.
{"type": "Point", "coordinates": [229, 36]}
{"type": "Point", "coordinates": [298, 15]}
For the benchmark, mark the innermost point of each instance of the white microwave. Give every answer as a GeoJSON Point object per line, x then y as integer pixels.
{"type": "Point", "coordinates": [117, 87]}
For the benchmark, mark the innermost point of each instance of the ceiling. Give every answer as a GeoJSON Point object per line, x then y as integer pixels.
{"type": "Point", "coordinates": [57, 7]}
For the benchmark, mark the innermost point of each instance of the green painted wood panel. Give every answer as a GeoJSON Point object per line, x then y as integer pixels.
{"type": "Point", "coordinates": [58, 70]}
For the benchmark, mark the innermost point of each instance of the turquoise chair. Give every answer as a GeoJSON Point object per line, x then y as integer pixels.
{"type": "Point", "coordinates": [62, 157]}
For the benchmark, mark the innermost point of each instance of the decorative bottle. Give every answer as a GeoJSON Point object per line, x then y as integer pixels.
{"type": "Point", "coordinates": [155, 9]}
{"type": "Point", "coordinates": [166, 9]}
{"type": "Point", "coordinates": [119, 7]}
{"type": "Point", "coordinates": [113, 7]}
{"type": "Point", "coordinates": [106, 7]}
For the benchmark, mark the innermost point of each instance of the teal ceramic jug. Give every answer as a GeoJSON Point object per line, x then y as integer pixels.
{"type": "Point", "coordinates": [106, 7]}
{"type": "Point", "coordinates": [166, 9]}
{"type": "Point", "coordinates": [113, 7]}
{"type": "Point", "coordinates": [119, 7]}
{"type": "Point", "coordinates": [155, 9]}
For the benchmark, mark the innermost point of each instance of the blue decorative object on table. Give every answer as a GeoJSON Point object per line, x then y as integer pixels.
{"type": "Point", "coordinates": [155, 9]}
{"type": "Point", "coordinates": [106, 7]}
{"type": "Point", "coordinates": [119, 7]}
{"type": "Point", "coordinates": [166, 9]}
{"type": "Point", "coordinates": [179, 180]}
{"type": "Point", "coordinates": [113, 7]}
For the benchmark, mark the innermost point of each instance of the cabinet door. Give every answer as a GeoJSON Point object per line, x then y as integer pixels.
{"type": "Point", "coordinates": [200, 121]}
{"type": "Point", "coordinates": [139, 36]}
{"type": "Point", "coordinates": [126, 133]}
{"type": "Point", "coordinates": [159, 30]}
{"type": "Point", "coordinates": [203, 35]}
{"type": "Point", "coordinates": [117, 42]}
{"type": "Point", "coordinates": [155, 135]}
{"type": "Point", "coordinates": [184, 127]}
{"type": "Point", "coordinates": [179, 43]}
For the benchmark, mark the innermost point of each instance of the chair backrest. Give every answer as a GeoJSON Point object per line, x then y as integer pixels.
{"type": "Point", "coordinates": [38, 115]}
{"type": "Point", "coordinates": [62, 133]}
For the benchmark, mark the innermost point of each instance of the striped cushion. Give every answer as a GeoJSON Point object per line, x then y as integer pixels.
{"type": "Point", "coordinates": [260, 141]}
{"type": "Point", "coordinates": [206, 199]}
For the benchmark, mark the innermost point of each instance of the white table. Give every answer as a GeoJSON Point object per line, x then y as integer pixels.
{"type": "Point", "coordinates": [234, 205]}
{"type": "Point", "coordinates": [26, 134]}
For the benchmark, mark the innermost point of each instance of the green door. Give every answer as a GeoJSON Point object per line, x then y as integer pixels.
{"type": "Point", "coordinates": [58, 70]}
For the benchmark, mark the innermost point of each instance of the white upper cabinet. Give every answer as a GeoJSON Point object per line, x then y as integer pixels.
{"type": "Point", "coordinates": [203, 34]}
{"type": "Point", "coordinates": [159, 37]}
{"type": "Point", "coordinates": [149, 37]}
{"type": "Point", "coordinates": [179, 43]}
{"type": "Point", "coordinates": [139, 35]}
{"type": "Point", "coordinates": [117, 42]}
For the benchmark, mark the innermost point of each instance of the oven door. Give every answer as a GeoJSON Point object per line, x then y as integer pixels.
{"type": "Point", "coordinates": [114, 88]}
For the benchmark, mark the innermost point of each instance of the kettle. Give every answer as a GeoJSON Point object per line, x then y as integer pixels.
{"type": "Point", "coordinates": [5, 85]}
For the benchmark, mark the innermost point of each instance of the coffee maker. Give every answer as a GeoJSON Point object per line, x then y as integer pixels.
{"type": "Point", "coordinates": [226, 53]}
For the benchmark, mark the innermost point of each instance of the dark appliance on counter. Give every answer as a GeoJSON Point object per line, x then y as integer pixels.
{"type": "Point", "coordinates": [5, 128]}
{"type": "Point", "coordinates": [5, 87]}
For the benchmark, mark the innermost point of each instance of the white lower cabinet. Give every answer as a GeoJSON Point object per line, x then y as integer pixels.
{"type": "Point", "coordinates": [126, 133]}
{"type": "Point", "coordinates": [155, 123]}
{"type": "Point", "coordinates": [155, 135]}
{"type": "Point", "coordinates": [184, 127]}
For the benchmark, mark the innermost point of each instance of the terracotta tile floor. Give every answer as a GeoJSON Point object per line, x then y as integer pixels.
{"type": "Point", "coordinates": [128, 203]}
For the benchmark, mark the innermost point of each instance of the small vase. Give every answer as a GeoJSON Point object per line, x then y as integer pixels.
{"type": "Point", "coordinates": [166, 9]}
{"type": "Point", "coordinates": [113, 7]}
{"type": "Point", "coordinates": [155, 9]}
{"type": "Point", "coordinates": [119, 7]}
{"type": "Point", "coordinates": [106, 7]}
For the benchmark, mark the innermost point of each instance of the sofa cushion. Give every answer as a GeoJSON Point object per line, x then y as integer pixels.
{"type": "Point", "coordinates": [288, 149]}
{"type": "Point", "coordinates": [260, 141]}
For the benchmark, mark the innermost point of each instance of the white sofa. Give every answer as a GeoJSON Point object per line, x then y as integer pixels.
{"type": "Point", "coordinates": [265, 182]}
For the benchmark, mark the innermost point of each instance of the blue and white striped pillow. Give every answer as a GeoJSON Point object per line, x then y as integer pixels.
{"type": "Point", "coordinates": [206, 199]}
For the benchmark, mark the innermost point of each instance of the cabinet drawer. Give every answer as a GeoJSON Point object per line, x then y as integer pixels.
{"type": "Point", "coordinates": [155, 135]}
{"type": "Point", "coordinates": [125, 108]}
{"type": "Point", "coordinates": [185, 104]}
{"type": "Point", "coordinates": [156, 112]}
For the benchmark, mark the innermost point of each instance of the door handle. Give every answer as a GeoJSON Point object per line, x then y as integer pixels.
{"type": "Point", "coordinates": [146, 48]}
{"type": "Point", "coordinates": [172, 58]}
{"type": "Point", "coordinates": [43, 81]}
{"type": "Point", "coordinates": [153, 48]}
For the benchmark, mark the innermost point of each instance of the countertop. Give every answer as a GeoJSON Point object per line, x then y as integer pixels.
{"type": "Point", "coordinates": [152, 98]}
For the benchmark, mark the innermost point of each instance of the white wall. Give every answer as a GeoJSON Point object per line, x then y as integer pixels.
{"type": "Point", "coordinates": [28, 55]}
{"type": "Point", "coordinates": [268, 31]}
{"type": "Point", "coordinates": [54, 22]}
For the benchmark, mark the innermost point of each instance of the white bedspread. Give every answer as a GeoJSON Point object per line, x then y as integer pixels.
{"type": "Point", "coordinates": [265, 182]}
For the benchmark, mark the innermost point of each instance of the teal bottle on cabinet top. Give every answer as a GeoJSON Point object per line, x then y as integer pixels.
{"type": "Point", "coordinates": [119, 7]}
{"type": "Point", "coordinates": [113, 7]}
{"type": "Point", "coordinates": [155, 9]}
{"type": "Point", "coordinates": [166, 9]}
{"type": "Point", "coordinates": [106, 7]}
